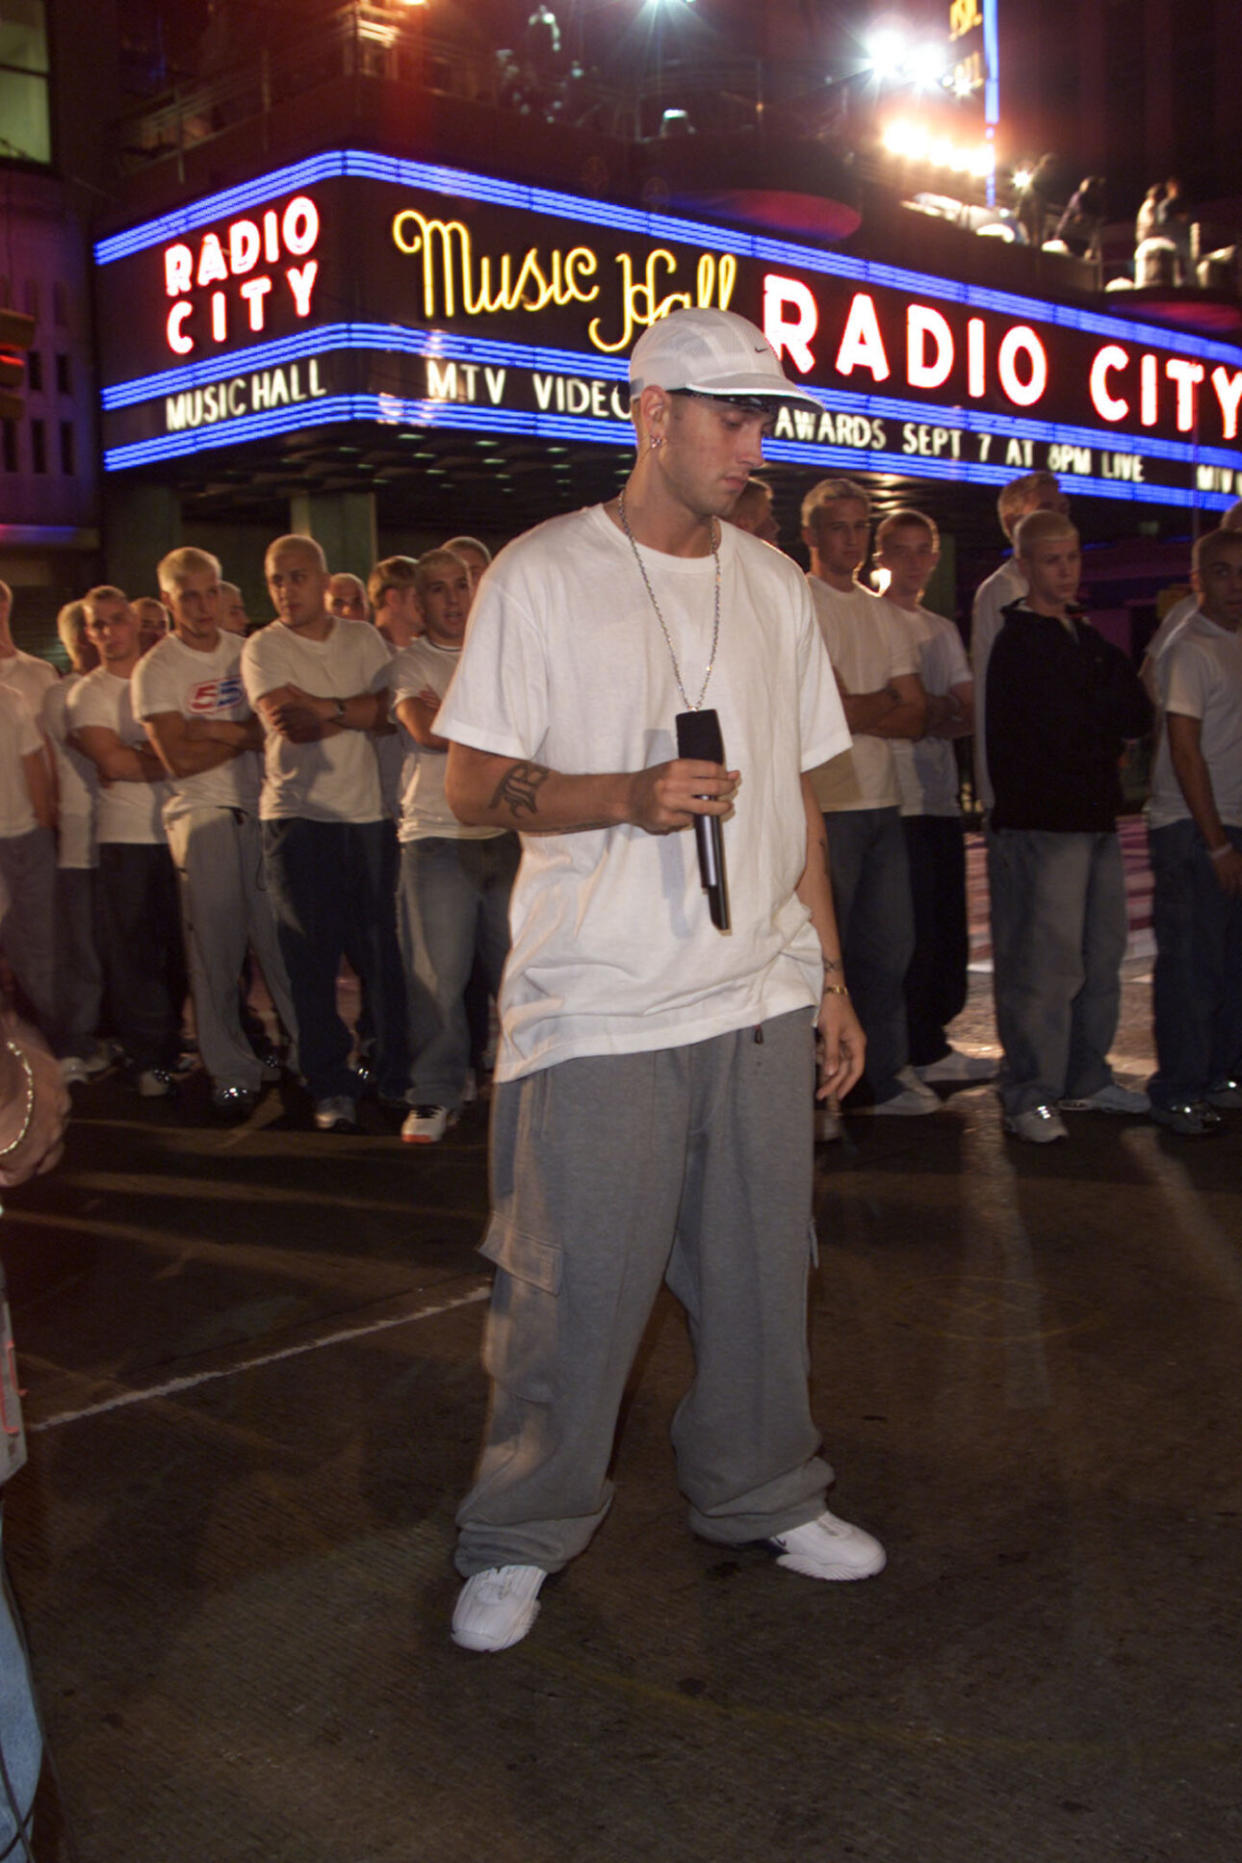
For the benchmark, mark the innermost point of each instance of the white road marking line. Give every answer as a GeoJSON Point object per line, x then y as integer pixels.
{"type": "Point", "coordinates": [175, 1385]}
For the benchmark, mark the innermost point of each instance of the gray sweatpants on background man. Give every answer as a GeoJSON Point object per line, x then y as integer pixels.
{"type": "Point", "coordinates": [612, 1174]}
{"type": "Point", "coordinates": [225, 908]}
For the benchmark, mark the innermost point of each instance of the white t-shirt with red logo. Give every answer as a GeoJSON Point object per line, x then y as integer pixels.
{"type": "Point", "coordinates": [177, 678]}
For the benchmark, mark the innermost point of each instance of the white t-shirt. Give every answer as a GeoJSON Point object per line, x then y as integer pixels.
{"type": "Point", "coordinates": [19, 737]}
{"type": "Point", "coordinates": [565, 663]}
{"type": "Point", "coordinates": [175, 678]}
{"type": "Point", "coordinates": [867, 648]}
{"type": "Point", "coordinates": [927, 766]}
{"type": "Point", "coordinates": [424, 810]}
{"type": "Point", "coordinates": [77, 781]}
{"type": "Point", "coordinates": [336, 778]}
{"type": "Point", "coordinates": [129, 813]}
{"type": "Point", "coordinates": [1171, 627]}
{"type": "Point", "coordinates": [30, 676]}
{"type": "Point", "coordinates": [1200, 676]}
{"type": "Point", "coordinates": [1006, 584]}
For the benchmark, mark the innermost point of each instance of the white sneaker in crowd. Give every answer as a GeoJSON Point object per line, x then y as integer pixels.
{"type": "Point", "coordinates": [956, 1066]}
{"type": "Point", "coordinates": [829, 1548]}
{"type": "Point", "coordinates": [1039, 1125]}
{"type": "Point", "coordinates": [1112, 1097]}
{"type": "Point", "coordinates": [338, 1113]}
{"type": "Point", "coordinates": [426, 1125]}
{"type": "Point", "coordinates": [913, 1100]}
{"type": "Point", "coordinates": [496, 1608]}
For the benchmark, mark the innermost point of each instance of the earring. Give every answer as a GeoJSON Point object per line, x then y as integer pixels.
{"type": "Point", "coordinates": [657, 441]}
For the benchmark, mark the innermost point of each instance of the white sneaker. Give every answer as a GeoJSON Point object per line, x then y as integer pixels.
{"type": "Point", "coordinates": [338, 1113]}
{"type": "Point", "coordinates": [496, 1608]}
{"type": "Point", "coordinates": [1110, 1098]}
{"type": "Point", "coordinates": [956, 1066]}
{"type": "Point", "coordinates": [829, 1548]}
{"type": "Point", "coordinates": [1039, 1125]}
{"type": "Point", "coordinates": [905, 1105]}
{"type": "Point", "coordinates": [426, 1125]}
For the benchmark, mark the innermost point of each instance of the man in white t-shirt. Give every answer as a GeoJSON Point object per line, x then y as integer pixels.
{"type": "Point", "coordinates": [475, 555]}
{"type": "Point", "coordinates": [319, 685]}
{"type": "Point", "coordinates": [907, 546]}
{"type": "Point", "coordinates": [1034, 491]}
{"type": "Point", "coordinates": [393, 595]}
{"type": "Point", "coordinates": [453, 895]}
{"type": "Point", "coordinates": [652, 1114]}
{"type": "Point", "coordinates": [28, 861]}
{"type": "Point", "coordinates": [140, 939]}
{"type": "Point", "coordinates": [347, 597]}
{"type": "Point", "coordinates": [1195, 831]}
{"type": "Point", "coordinates": [188, 693]}
{"type": "Point", "coordinates": [25, 672]}
{"type": "Point", "coordinates": [1175, 620]}
{"type": "Point", "coordinates": [874, 664]}
{"type": "Point", "coordinates": [79, 975]}
{"type": "Point", "coordinates": [233, 616]}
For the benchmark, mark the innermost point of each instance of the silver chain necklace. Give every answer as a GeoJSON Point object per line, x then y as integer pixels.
{"type": "Point", "coordinates": [668, 642]}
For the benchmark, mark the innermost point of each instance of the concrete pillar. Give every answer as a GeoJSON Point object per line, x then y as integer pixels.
{"type": "Point", "coordinates": [142, 523]}
{"type": "Point", "coordinates": [343, 523]}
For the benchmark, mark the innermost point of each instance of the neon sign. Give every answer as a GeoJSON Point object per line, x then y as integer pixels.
{"type": "Point", "coordinates": [224, 257]}
{"type": "Point", "coordinates": [510, 309]}
{"type": "Point", "coordinates": [484, 286]}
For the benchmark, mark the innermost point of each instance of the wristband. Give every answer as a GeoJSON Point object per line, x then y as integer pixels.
{"type": "Point", "coordinates": [17, 1053]}
{"type": "Point", "coordinates": [834, 989]}
{"type": "Point", "coordinates": [1218, 853]}
{"type": "Point", "coordinates": [340, 711]}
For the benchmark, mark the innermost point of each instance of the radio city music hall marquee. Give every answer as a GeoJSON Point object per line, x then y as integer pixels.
{"type": "Point", "coordinates": [360, 288]}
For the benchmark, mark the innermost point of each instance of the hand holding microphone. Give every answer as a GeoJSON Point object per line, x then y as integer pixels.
{"type": "Point", "coordinates": [699, 739]}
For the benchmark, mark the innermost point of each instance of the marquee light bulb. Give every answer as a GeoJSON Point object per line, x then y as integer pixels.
{"type": "Point", "coordinates": [886, 50]}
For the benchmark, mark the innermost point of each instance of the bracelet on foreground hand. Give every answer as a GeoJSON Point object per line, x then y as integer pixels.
{"type": "Point", "coordinates": [19, 1055]}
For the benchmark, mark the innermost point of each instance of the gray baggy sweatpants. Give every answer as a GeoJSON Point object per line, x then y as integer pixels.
{"type": "Point", "coordinates": [225, 909]}
{"type": "Point", "coordinates": [611, 1174]}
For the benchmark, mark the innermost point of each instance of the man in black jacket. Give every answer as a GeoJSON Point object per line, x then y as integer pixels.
{"type": "Point", "coordinates": [1061, 700]}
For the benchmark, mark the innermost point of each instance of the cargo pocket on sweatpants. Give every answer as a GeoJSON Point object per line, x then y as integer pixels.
{"type": "Point", "coordinates": [520, 1343]}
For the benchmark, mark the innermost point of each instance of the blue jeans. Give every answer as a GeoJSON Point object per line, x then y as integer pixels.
{"type": "Point", "coordinates": [1058, 938]}
{"type": "Point", "coordinates": [20, 1740]}
{"type": "Point", "coordinates": [453, 902]}
{"type": "Point", "coordinates": [875, 917]}
{"type": "Point", "coordinates": [142, 949]}
{"type": "Point", "coordinates": [28, 940]}
{"type": "Point", "coordinates": [1198, 975]}
{"type": "Point", "coordinates": [330, 885]}
{"type": "Point", "coordinates": [936, 978]}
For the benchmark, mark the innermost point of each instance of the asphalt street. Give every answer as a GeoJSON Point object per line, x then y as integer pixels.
{"type": "Point", "coordinates": [254, 1398]}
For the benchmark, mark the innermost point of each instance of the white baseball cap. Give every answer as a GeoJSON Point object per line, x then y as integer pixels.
{"type": "Point", "coordinates": [711, 352]}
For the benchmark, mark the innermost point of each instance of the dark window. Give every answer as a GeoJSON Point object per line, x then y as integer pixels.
{"type": "Point", "coordinates": [34, 371]}
{"type": "Point", "coordinates": [8, 442]}
{"type": "Point", "coordinates": [64, 376]}
{"type": "Point", "coordinates": [38, 446]}
{"type": "Point", "coordinates": [67, 456]}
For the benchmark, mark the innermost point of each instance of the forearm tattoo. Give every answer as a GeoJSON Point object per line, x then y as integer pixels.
{"type": "Point", "coordinates": [518, 789]}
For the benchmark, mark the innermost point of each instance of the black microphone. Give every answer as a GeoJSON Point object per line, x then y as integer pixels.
{"type": "Point", "coordinates": [698, 737]}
